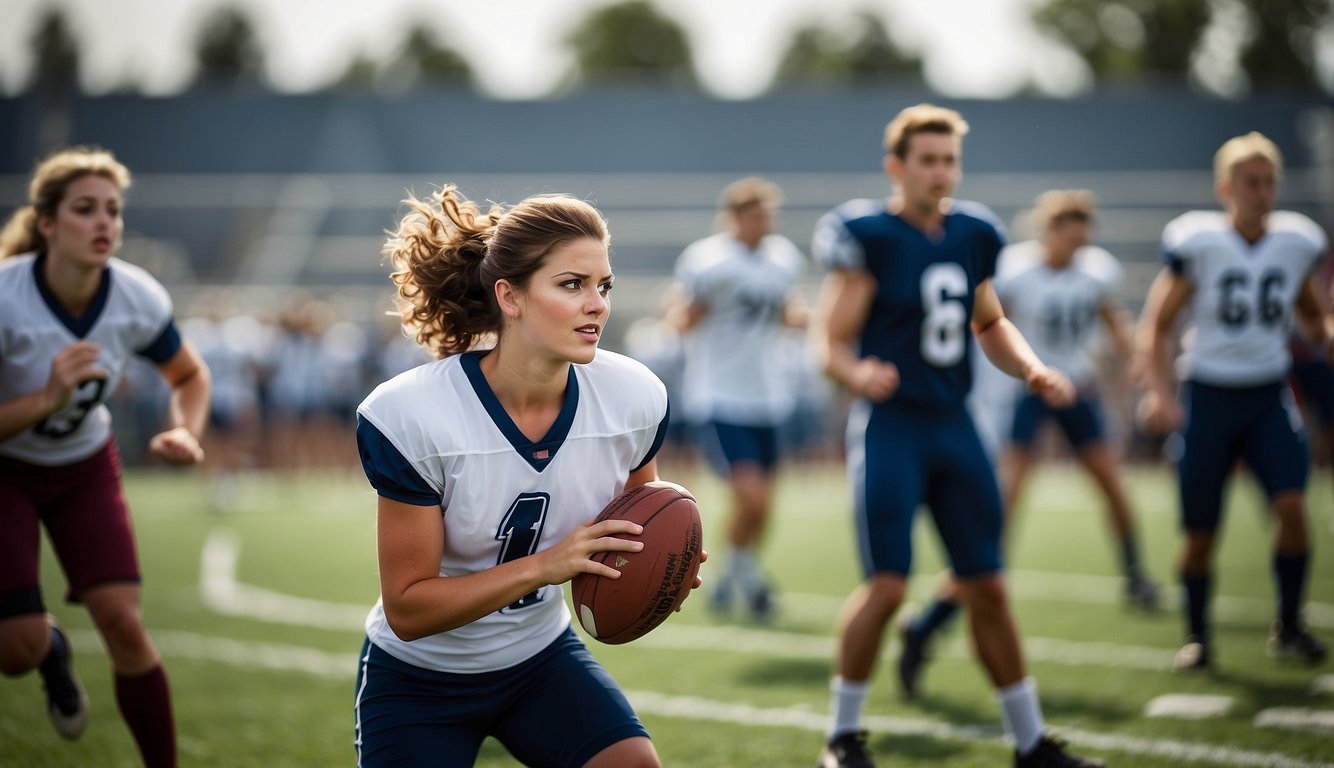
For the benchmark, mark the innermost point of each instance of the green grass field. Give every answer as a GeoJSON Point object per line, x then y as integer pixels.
{"type": "Point", "coordinates": [262, 653]}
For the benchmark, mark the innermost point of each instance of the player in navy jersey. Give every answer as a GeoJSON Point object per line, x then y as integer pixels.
{"type": "Point", "coordinates": [1238, 274]}
{"type": "Point", "coordinates": [1058, 290]}
{"type": "Point", "coordinates": [736, 288]}
{"type": "Point", "coordinates": [490, 464]}
{"type": "Point", "coordinates": [909, 285]}
{"type": "Point", "coordinates": [71, 317]}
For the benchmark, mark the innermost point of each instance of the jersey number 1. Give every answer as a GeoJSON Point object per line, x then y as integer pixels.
{"type": "Point", "coordinates": [519, 534]}
{"type": "Point", "coordinates": [944, 290]}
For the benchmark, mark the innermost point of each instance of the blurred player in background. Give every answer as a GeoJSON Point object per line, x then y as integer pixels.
{"type": "Point", "coordinates": [1239, 273]}
{"type": "Point", "coordinates": [489, 464]}
{"type": "Point", "coordinates": [909, 285]}
{"type": "Point", "coordinates": [1056, 290]}
{"type": "Point", "coordinates": [71, 316]}
{"type": "Point", "coordinates": [736, 295]}
{"type": "Point", "coordinates": [1312, 378]}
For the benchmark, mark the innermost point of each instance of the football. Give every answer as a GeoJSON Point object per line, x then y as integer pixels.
{"type": "Point", "coordinates": [655, 580]}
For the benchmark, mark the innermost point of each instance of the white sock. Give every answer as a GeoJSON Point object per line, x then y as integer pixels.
{"type": "Point", "coordinates": [1022, 714]}
{"type": "Point", "coordinates": [745, 570]}
{"type": "Point", "coordinates": [847, 698]}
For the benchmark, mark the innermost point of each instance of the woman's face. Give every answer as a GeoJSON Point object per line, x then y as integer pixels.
{"type": "Point", "coordinates": [564, 308]}
{"type": "Point", "coordinates": [87, 225]}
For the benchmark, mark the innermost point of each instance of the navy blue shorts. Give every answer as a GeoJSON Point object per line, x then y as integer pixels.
{"type": "Point", "coordinates": [1081, 423]}
{"type": "Point", "coordinates": [899, 458]}
{"type": "Point", "coordinates": [727, 445]}
{"type": "Point", "coordinates": [559, 708]}
{"type": "Point", "coordinates": [1257, 425]}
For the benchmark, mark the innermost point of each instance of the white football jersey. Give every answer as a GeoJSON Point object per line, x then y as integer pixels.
{"type": "Point", "coordinates": [732, 370]}
{"type": "Point", "coordinates": [130, 315]}
{"type": "Point", "coordinates": [437, 435]}
{"type": "Point", "coordinates": [1057, 310]}
{"type": "Point", "coordinates": [1241, 308]}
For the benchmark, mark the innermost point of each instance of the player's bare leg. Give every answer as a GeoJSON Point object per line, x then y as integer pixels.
{"type": "Point", "coordinates": [1100, 462]}
{"type": "Point", "coordinates": [916, 632]}
{"type": "Point", "coordinates": [634, 752]}
{"type": "Point", "coordinates": [995, 636]}
{"type": "Point", "coordinates": [37, 641]}
{"type": "Point", "coordinates": [861, 632]}
{"type": "Point", "coordinates": [751, 488]}
{"type": "Point", "coordinates": [142, 693]}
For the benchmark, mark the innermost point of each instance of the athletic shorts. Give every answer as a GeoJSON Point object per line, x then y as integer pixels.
{"type": "Point", "coordinates": [727, 444]}
{"type": "Point", "coordinates": [900, 457]}
{"type": "Point", "coordinates": [83, 508]}
{"type": "Point", "coordinates": [557, 709]}
{"type": "Point", "coordinates": [1081, 423]}
{"type": "Point", "coordinates": [1260, 426]}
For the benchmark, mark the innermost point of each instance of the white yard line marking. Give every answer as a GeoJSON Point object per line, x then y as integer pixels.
{"type": "Point", "coordinates": [798, 646]}
{"type": "Point", "coordinates": [1188, 706]}
{"type": "Point", "coordinates": [222, 593]}
{"type": "Point", "coordinates": [239, 653]}
{"type": "Point", "coordinates": [343, 666]}
{"type": "Point", "coordinates": [1296, 719]}
{"type": "Point", "coordinates": [1051, 586]}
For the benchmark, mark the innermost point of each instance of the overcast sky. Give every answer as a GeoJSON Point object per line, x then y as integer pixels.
{"type": "Point", "coordinates": [971, 47]}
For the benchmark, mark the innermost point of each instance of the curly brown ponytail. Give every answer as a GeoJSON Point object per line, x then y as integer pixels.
{"type": "Point", "coordinates": [447, 256]}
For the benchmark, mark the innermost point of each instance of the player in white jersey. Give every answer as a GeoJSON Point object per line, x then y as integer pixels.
{"type": "Point", "coordinates": [71, 317]}
{"type": "Point", "coordinates": [736, 288]}
{"type": "Point", "coordinates": [490, 463]}
{"type": "Point", "coordinates": [1243, 275]}
{"type": "Point", "coordinates": [1057, 290]}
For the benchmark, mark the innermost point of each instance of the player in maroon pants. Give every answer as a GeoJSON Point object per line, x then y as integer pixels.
{"type": "Point", "coordinates": [71, 316]}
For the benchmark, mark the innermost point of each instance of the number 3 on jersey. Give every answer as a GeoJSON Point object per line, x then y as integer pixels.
{"type": "Point", "coordinates": [86, 397]}
{"type": "Point", "coordinates": [944, 291]}
{"type": "Point", "coordinates": [519, 534]}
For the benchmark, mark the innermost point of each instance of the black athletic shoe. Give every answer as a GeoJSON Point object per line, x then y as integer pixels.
{"type": "Point", "coordinates": [1193, 656]}
{"type": "Point", "coordinates": [66, 701]}
{"type": "Point", "coordinates": [1050, 753]}
{"type": "Point", "coordinates": [760, 605]}
{"type": "Point", "coordinates": [911, 660]}
{"type": "Point", "coordinates": [1294, 642]}
{"type": "Point", "coordinates": [1142, 593]}
{"type": "Point", "coordinates": [847, 750]}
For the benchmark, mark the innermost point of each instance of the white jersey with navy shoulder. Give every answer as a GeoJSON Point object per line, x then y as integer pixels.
{"type": "Point", "coordinates": [1058, 310]}
{"type": "Point", "coordinates": [1241, 307]}
{"type": "Point", "coordinates": [920, 318]}
{"type": "Point", "coordinates": [130, 315]}
{"type": "Point", "coordinates": [732, 369]}
{"type": "Point", "coordinates": [437, 435]}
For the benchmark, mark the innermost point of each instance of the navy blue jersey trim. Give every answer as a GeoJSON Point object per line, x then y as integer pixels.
{"type": "Point", "coordinates": [657, 439]}
{"type": "Point", "coordinates": [165, 346]}
{"type": "Point", "coordinates": [81, 325]}
{"type": "Point", "coordinates": [538, 454]}
{"type": "Point", "coordinates": [1174, 262]}
{"type": "Point", "coordinates": [390, 473]}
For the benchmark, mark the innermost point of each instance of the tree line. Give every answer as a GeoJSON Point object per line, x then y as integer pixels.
{"type": "Point", "coordinates": [1274, 43]}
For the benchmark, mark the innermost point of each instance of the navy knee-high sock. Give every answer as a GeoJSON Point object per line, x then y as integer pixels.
{"type": "Point", "coordinates": [1290, 574]}
{"type": "Point", "coordinates": [935, 617]}
{"type": "Point", "coordinates": [1197, 587]}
